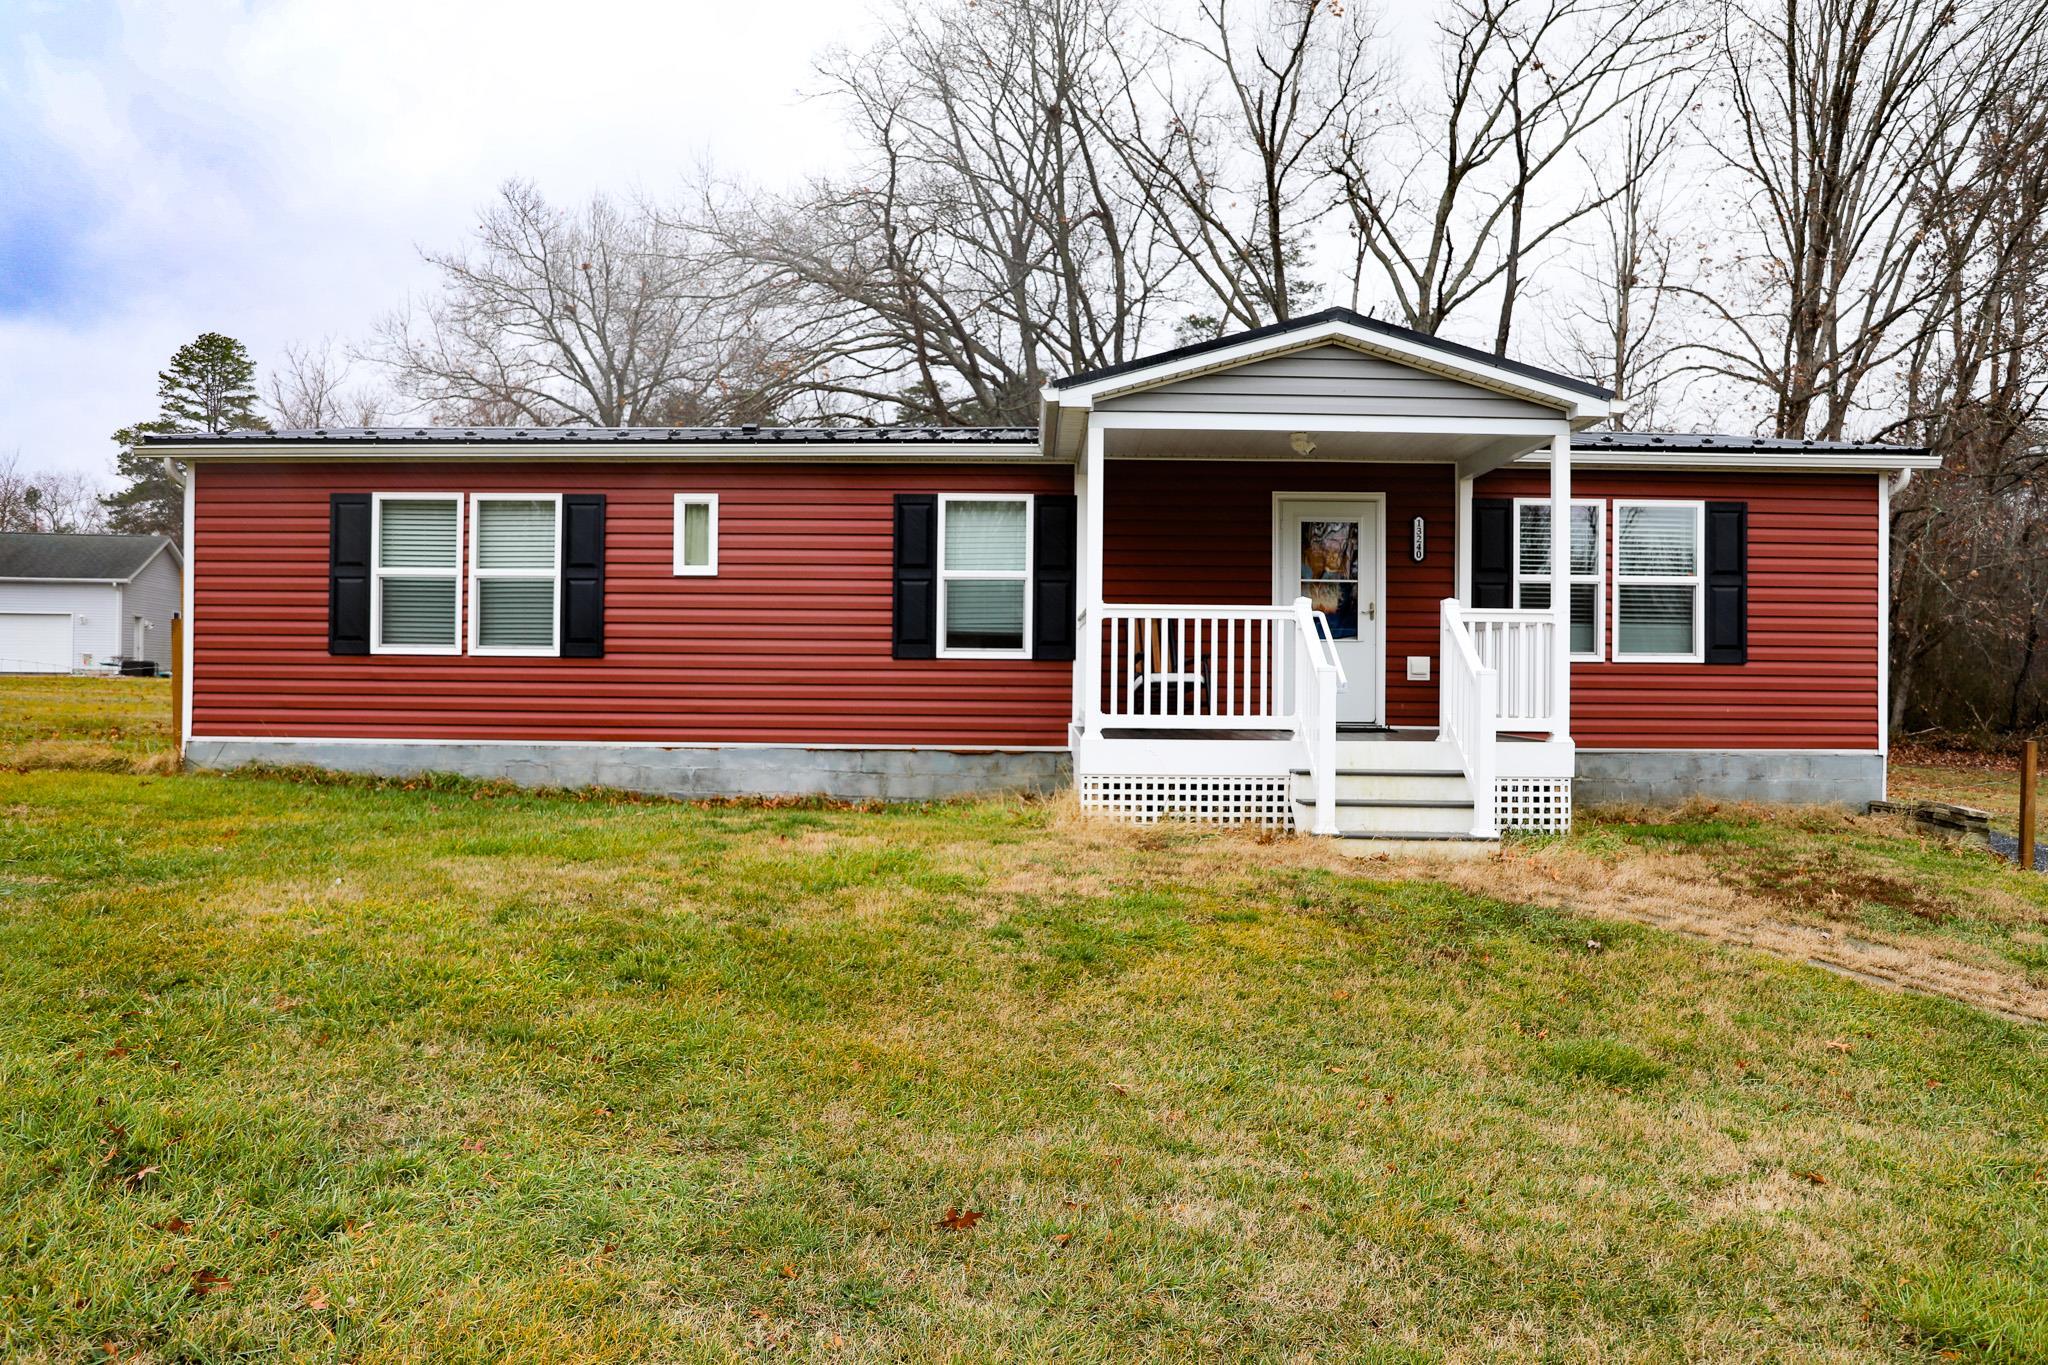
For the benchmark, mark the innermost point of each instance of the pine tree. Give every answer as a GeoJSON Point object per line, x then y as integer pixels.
{"type": "Point", "coordinates": [210, 386]}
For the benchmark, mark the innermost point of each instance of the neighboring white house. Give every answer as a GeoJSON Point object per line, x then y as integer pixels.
{"type": "Point", "coordinates": [86, 601]}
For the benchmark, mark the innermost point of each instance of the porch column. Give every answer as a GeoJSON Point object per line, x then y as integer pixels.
{"type": "Point", "coordinates": [1560, 580]}
{"type": "Point", "coordinates": [1088, 643]}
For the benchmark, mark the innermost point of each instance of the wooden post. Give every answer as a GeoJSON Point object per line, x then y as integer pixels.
{"type": "Point", "coordinates": [178, 683]}
{"type": "Point", "coordinates": [2030, 782]}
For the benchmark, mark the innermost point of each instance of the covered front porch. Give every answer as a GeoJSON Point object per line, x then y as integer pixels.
{"type": "Point", "coordinates": [1281, 617]}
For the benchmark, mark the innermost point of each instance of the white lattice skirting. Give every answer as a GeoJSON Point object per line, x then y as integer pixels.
{"type": "Point", "coordinates": [1542, 805]}
{"type": "Point", "coordinates": [1266, 802]}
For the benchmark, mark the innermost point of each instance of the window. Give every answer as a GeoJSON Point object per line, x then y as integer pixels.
{"type": "Point", "coordinates": [1657, 556]}
{"type": "Point", "coordinates": [515, 574]}
{"type": "Point", "coordinates": [984, 574]}
{"type": "Point", "coordinates": [416, 556]}
{"type": "Point", "coordinates": [1532, 569]}
{"type": "Point", "coordinates": [697, 533]}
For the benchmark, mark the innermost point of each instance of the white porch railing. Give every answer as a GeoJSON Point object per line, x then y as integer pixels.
{"type": "Point", "coordinates": [1519, 646]}
{"type": "Point", "coordinates": [1197, 668]}
{"type": "Point", "coordinates": [1468, 702]}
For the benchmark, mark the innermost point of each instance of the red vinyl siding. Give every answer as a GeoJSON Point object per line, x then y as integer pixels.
{"type": "Point", "coordinates": [1201, 531]}
{"type": "Point", "coordinates": [1812, 677]}
{"type": "Point", "coordinates": [789, 643]}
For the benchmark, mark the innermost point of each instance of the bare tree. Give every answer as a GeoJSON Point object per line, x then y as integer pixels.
{"type": "Point", "coordinates": [1466, 183]}
{"type": "Point", "coordinates": [593, 317]}
{"type": "Point", "coordinates": [1849, 118]}
{"type": "Point", "coordinates": [314, 388]}
{"type": "Point", "coordinates": [1229, 136]}
{"type": "Point", "coordinates": [1618, 327]}
{"type": "Point", "coordinates": [983, 242]}
{"type": "Point", "coordinates": [48, 500]}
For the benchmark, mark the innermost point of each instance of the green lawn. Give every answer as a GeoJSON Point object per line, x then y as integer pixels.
{"type": "Point", "coordinates": [318, 1070]}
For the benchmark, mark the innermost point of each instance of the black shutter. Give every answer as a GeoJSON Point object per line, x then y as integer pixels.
{"type": "Point", "coordinates": [1493, 553]}
{"type": "Point", "coordinates": [348, 573]}
{"type": "Point", "coordinates": [1052, 577]}
{"type": "Point", "coordinates": [583, 575]}
{"type": "Point", "coordinates": [1727, 583]}
{"type": "Point", "coordinates": [916, 609]}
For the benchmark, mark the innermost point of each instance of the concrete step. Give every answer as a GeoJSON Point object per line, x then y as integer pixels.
{"type": "Point", "coordinates": [1412, 845]}
{"type": "Point", "coordinates": [1401, 819]}
{"type": "Point", "coordinates": [1398, 755]}
{"type": "Point", "coordinates": [1420, 784]}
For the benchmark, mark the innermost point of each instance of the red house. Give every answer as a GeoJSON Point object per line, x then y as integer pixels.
{"type": "Point", "coordinates": [1302, 576]}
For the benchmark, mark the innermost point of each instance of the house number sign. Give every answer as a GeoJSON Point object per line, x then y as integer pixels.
{"type": "Point", "coordinates": [1415, 549]}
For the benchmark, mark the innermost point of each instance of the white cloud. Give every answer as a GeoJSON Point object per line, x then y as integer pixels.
{"type": "Point", "coordinates": [267, 170]}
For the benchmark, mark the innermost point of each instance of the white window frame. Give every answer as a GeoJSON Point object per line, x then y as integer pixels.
{"type": "Point", "coordinates": [1597, 579]}
{"type": "Point", "coordinates": [986, 575]}
{"type": "Point", "coordinates": [378, 573]}
{"type": "Point", "coordinates": [706, 570]}
{"type": "Point", "coordinates": [1697, 581]}
{"type": "Point", "coordinates": [477, 575]}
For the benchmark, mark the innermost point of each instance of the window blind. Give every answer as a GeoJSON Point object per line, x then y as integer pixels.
{"type": "Point", "coordinates": [985, 613]}
{"type": "Point", "coordinates": [515, 535]}
{"type": "Point", "coordinates": [416, 534]}
{"type": "Point", "coordinates": [1655, 619]}
{"type": "Point", "coordinates": [515, 613]}
{"type": "Point", "coordinates": [1653, 541]}
{"type": "Point", "coordinates": [696, 534]}
{"type": "Point", "coordinates": [417, 611]}
{"type": "Point", "coordinates": [985, 536]}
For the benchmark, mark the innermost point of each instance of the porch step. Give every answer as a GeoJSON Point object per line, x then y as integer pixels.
{"type": "Point", "coordinates": [1397, 755]}
{"type": "Point", "coordinates": [1393, 818]}
{"type": "Point", "coordinates": [1418, 784]}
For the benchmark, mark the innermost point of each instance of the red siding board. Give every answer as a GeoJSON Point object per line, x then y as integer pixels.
{"type": "Point", "coordinates": [1812, 677]}
{"type": "Point", "coordinates": [788, 644]}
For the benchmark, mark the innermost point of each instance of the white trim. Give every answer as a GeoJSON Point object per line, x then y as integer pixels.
{"type": "Point", "coordinates": [1697, 580]}
{"type": "Point", "coordinates": [709, 569]}
{"type": "Point", "coordinates": [1415, 355]}
{"type": "Point", "coordinates": [552, 575]}
{"type": "Point", "coordinates": [1597, 580]}
{"type": "Point", "coordinates": [1787, 461]}
{"type": "Point", "coordinates": [942, 574]}
{"type": "Point", "coordinates": [378, 572]}
{"type": "Point", "coordinates": [641, 744]}
{"type": "Point", "coordinates": [1461, 564]}
{"type": "Point", "coordinates": [1282, 596]}
{"type": "Point", "coordinates": [1535, 428]}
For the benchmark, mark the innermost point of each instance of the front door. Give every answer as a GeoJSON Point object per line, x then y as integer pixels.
{"type": "Point", "coordinates": [1328, 551]}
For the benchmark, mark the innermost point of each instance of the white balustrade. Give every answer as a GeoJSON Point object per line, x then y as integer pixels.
{"type": "Point", "coordinates": [1519, 646]}
{"type": "Point", "coordinates": [1197, 668]}
{"type": "Point", "coordinates": [1468, 710]}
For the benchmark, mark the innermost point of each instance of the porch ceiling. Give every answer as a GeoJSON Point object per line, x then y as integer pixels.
{"type": "Point", "coordinates": [1477, 450]}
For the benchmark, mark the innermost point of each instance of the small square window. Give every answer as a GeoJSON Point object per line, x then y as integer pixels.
{"type": "Point", "coordinates": [697, 533]}
{"type": "Point", "coordinates": [984, 573]}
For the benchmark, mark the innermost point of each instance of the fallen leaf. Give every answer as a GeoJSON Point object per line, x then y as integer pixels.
{"type": "Point", "coordinates": [1075, 1205]}
{"type": "Point", "coordinates": [758, 1314]}
{"type": "Point", "coordinates": [173, 1225]}
{"type": "Point", "coordinates": [960, 1220]}
{"type": "Point", "coordinates": [316, 1300]}
{"type": "Point", "coordinates": [1062, 1238]}
{"type": "Point", "coordinates": [1840, 1045]}
{"type": "Point", "coordinates": [166, 1268]}
{"type": "Point", "coordinates": [1812, 1177]}
{"type": "Point", "coordinates": [133, 1180]}
{"type": "Point", "coordinates": [473, 1145]}
{"type": "Point", "coordinates": [787, 1272]}
{"type": "Point", "coordinates": [1340, 995]}
{"type": "Point", "coordinates": [1120, 1089]}
{"type": "Point", "coordinates": [835, 1342]}
{"type": "Point", "coordinates": [1304, 1207]}
{"type": "Point", "coordinates": [206, 1282]}
{"type": "Point", "coordinates": [119, 1050]}
{"type": "Point", "coordinates": [113, 1351]}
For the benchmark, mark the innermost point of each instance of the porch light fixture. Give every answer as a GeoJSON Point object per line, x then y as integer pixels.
{"type": "Point", "coordinates": [1301, 443]}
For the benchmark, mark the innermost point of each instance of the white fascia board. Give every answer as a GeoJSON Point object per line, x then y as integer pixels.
{"type": "Point", "coordinates": [972, 452]}
{"type": "Point", "coordinates": [1577, 406]}
{"type": "Point", "coordinates": [1533, 428]}
{"type": "Point", "coordinates": [1777, 461]}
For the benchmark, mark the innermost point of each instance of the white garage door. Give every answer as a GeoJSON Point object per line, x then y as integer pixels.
{"type": "Point", "coordinates": [35, 642]}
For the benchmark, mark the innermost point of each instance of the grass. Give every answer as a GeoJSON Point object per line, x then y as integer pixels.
{"type": "Point", "coordinates": [320, 1069]}
{"type": "Point", "coordinates": [1989, 781]}
{"type": "Point", "coordinates": [107, 723]}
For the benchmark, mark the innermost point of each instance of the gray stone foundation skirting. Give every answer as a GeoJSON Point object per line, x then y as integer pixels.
{"type": "Point", "coordinates": [1666, 777]}
{"type": "Point", "coordinates": [673, 770]}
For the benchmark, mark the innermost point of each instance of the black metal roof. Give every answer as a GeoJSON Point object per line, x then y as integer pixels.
{"type": "Point", "coordinates": [112, 558]}
{"type": "Point", "coordinates": [748, 435]}
{"type": "Point", "coordinates": [1693, 442]}
{"type": "Point", "coordinates": [1351, 318]}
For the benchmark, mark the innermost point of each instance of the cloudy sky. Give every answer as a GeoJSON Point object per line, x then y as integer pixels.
{"type": "Point", "coordinates": [267, 169]}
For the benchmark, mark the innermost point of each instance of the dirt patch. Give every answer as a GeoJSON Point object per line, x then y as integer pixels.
{"type": "Point", "coordinates": [1832, 886]}
{"type": "Point", "coordinates": [1684, 893]}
